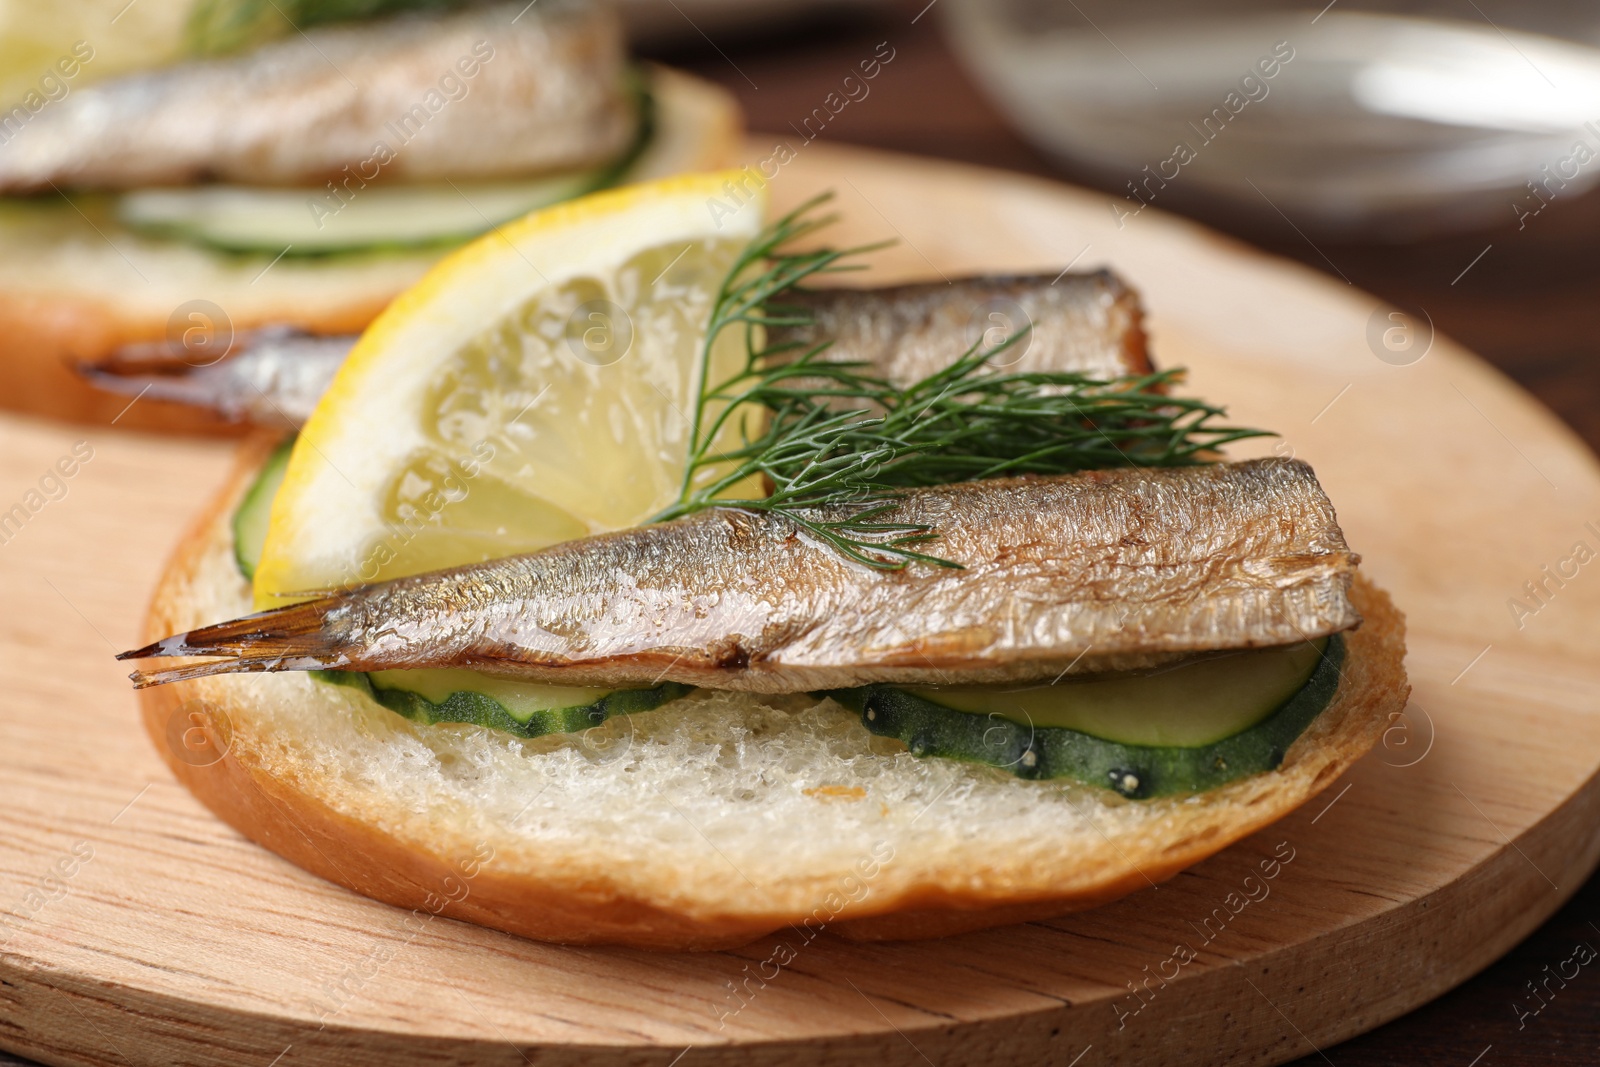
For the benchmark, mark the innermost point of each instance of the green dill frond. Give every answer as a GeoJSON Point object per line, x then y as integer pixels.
{"type": "Point", "coordinates": [840, 443]}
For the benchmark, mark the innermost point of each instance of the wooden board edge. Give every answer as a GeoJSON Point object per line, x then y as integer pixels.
{"type": "Point", "coordinates": [1254, 1013]}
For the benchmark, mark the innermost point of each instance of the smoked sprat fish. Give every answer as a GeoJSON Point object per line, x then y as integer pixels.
{"type": "Point", "coordinates": [479, 93]}
{"type": "Point", "coordinates": [1085, 323]}
{"type": "Point", "coordinates": [272, 377]}
{"type": "Point", "coordinates": [1088, 324]}
{"type": "Point", "coordinates": [1102, 570]}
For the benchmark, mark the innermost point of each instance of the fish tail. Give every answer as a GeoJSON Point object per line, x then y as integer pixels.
{"type": "Point", "coordinates": [290, 638]}
{"type": "Point", "coordinates": [159, 379]}
{"type": "Point", "coordinates": [111, 376]}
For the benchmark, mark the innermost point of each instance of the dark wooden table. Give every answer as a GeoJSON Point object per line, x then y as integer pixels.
{"type": "Point", "coordinates": [1530, 305]}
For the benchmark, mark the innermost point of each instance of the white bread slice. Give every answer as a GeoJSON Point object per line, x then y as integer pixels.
{"type": "Point", "coordinates": [75, 288]}
{"type": "Point", "coordinates": [703, 824]}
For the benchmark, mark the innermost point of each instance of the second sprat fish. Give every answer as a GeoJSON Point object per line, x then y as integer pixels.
{"type": "Point", "coordinates": [545, 92]}
{"type": "Point", "coordinates": [1089, 323]}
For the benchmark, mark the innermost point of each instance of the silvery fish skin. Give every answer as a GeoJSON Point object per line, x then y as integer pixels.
{"type": "Point", "coordinates": [1089, 323]}
{"type": "Point", "coordinates": [271, 377]}
{"type": "Point", "coordinates": [1103, 570]}
{"type": "Point", "coordinates": [547, 92]}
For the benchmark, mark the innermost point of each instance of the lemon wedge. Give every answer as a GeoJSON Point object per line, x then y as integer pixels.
{"type": "Point", "coordinates": [538, 385]}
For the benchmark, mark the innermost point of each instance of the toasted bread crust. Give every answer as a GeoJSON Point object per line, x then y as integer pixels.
{"type": "Point", "coordinates": [45, 331]}
{"type": "Point", "coordinates": [280, 808]}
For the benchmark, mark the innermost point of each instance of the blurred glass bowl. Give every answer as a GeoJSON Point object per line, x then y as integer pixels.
{"type": "Point", "coordinates": [669, 23]}
{"type": "Point", "coordinates": [1382, 125]}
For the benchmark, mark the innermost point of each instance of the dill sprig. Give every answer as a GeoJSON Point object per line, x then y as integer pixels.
{"type": "Point", "coordinates": [838, 443]}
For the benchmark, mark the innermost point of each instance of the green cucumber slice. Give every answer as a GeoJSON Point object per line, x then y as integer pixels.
{"type": "Point", "coordinates": [237, 218]}
{"type": "Point", "coordinates": [255, 510]}
{"type": "Point", "coordinates": [519, 708]}
{"type": "Point", "coordinates": [447, 696]}
{"type": "Point", "coordinates": [1192, 704]}
{"type": "Point", "coordinates": [521, 701]}
{"type": "Point", "coordinates": [1135, 771]}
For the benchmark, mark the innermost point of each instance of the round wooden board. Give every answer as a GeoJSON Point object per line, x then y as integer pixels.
{"type": "Point", "coordinates": [135, 928]}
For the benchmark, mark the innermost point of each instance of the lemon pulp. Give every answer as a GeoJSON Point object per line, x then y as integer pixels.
{"type": "Point", "coordinates": [538, 386]}
{"type": "Point", "coordinates": [570, 416]}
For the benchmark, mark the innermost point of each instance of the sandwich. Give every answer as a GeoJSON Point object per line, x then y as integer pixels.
{"type": "Point", "coordinates": [205, 170]}
{"type": "Point", "coordinates": [756, 603]}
